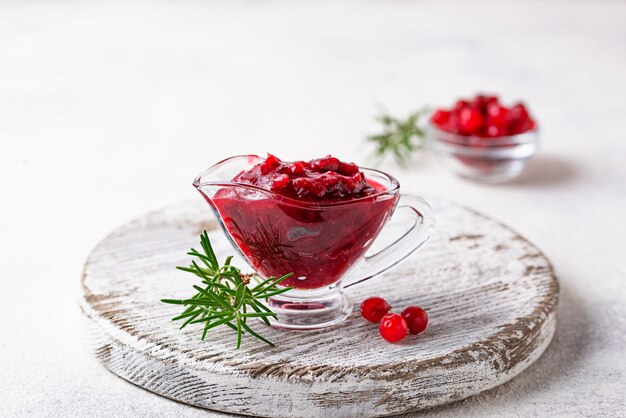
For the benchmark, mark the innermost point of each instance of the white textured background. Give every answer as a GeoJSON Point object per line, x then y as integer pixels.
{"type": "Point", "coordinates": [109, 109]}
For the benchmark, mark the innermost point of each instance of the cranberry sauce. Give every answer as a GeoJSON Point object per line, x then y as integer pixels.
{"type": "Point", "coordinates": [324, 179]}
{"type": "Point", "coordinates": [320, 219]}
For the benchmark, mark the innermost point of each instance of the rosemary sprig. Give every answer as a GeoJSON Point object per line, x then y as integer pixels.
{"type": "Point", "coordinates": [400, 137]}
{"type": "Point", "coordinates": [226, 296]}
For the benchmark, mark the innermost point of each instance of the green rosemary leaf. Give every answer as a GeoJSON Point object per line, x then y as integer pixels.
{"type": "Point", "coordinates": [256, 315]}
{"type": "Point", "coordinates": [273, 293]}
{"type": "Point", "coordinates": [194, 311]}
{"type": "Point", "coordinates": [400, 137]}
{"type": "Point", "coordinates": [225, 288]}
{"type": "Point", "coordinates": [263, 318]}
{"type": "Point", "coordinates": [239, 331]}
{"type": "Point", "coordinates": [189, 320]}
{"type": "Point", "coordinates": [247, 328]}
{"type": "Point", "coordinates": [220, 322]}
{"type": "Point", "coordinates": [209, 318]}
{"type": "Point", "coordinates": [231, 326]}
{"type": "Point", "coordinates": [208, 250]}
{"type": "Point", "coordinates": [260, 305]}
{"type": "Point", "coordinates": [239, 295]}
{"type": "Point", "coordinates": [173, 301]}
{"type": "Point", "coordinates": [202, 257]}
{"type": "Point", "coordinates": [212, 296]}
{"type": "Point", "coordinates": [187, 269]}
{"type": "Point", "coordinates": [226, 296]}
{"type": "Point", "coordinates": [273, 281]}
{"type": "Point", "coordinates": [205, 330]}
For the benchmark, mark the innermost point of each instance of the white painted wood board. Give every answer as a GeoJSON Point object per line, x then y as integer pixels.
{"type": "Point", "coordinates": [491, 296]}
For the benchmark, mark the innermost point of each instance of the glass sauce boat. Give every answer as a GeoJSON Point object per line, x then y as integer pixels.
{"type": "Point", "coordinates": [322, 243]}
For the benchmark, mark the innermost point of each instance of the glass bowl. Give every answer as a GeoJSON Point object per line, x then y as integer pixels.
{"type": "Point", "coordinates": [491, 160]}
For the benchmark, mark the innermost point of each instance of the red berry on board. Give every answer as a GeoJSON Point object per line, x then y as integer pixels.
{"type": "Point", "coordinates": [393, 327]}
{"type": "Point", "coordinates": [373, 309]}
{"type": "Point", "coordinates": [440, 117]}
{"type": "Point", "coordinates": [416, 318]}
{"type": "Point", "coordinates": [470, 120]}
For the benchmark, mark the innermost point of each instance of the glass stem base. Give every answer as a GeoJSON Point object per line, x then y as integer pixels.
{"type": "Point", "coordinates": [310, 309]}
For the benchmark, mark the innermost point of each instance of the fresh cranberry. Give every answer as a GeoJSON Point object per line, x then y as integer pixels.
{"type": "Point", "coordinates": [440, 117]}
{"type": "Point", "coordinates": [416, 318]}
{"type": "Point", "coordinates": [461, 104]}
{"type": "Point", "coordinates": [373, 309]}
{"type": "Point", "coordinates": [519, 112]}
{"type": "Point", "coordinates": [479, 101]}
{"type": "Point", "coordinates": [470, 120]}
{"type": "Point", "coordinates": [484, 116]}
{"type": "Point", "coordinates": [521, 126]}
{"type": "Point", "coordinates": [497, 115]}
{"type": "Point", "coordinates": [393, 327]}
{"type": "Point", "coordinates": [494, 131]}
{"type": "Point", "coordinates": [492, 99]}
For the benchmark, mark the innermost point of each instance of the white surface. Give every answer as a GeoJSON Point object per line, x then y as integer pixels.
{"type": "Point", "coordinates": [108, 110]}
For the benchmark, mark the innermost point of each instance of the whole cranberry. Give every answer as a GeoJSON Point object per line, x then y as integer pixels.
{"type": "Point", "coordinates": [440, 117]}
{"type": "Point", "coordinates": [519, 112]}
{"type": "Point", "coordinates": [479, 102]}
{"type": "Point", "coordinates": [393, 327]}
{"type": "Point", "coordinates": [494, 131]}
{"type": "Point", "coordinates": [497, 115]}
{"type": "Point", "coordinates": [416, 318]}
{"type": "Point", "coordinates": [461, 104]}
{"type": "Point", "coordinates": [470, 121]}
{"type": "Point", "coordinates": [373, 309]}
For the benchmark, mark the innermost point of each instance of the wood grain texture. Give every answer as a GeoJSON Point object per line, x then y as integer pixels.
{"type": "Point", "coordinates": [490, 294]}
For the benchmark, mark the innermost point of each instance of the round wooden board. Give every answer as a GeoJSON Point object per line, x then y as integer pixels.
{"type": "Point", "coordinates": [490, 294]}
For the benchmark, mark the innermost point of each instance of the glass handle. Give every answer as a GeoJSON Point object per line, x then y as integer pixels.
{"type": "Point", "coordinates": [411, 239]}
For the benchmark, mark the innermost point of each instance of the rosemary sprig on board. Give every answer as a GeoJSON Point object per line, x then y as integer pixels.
{"type": "Point", "coordinates": [400, 137]}
{"type": "Point", "coordinates": [226, 297]}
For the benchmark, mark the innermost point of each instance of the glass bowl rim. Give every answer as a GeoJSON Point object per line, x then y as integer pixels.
{"type": "Point", "coordinates": [393, 188]}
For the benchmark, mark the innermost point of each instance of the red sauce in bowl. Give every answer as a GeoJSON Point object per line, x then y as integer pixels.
{"type": "Point", "coordinates": [315, 218]}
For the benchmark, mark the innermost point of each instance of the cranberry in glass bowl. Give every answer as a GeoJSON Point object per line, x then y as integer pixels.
{"type": "Point", "coordinates": [482, 139]}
